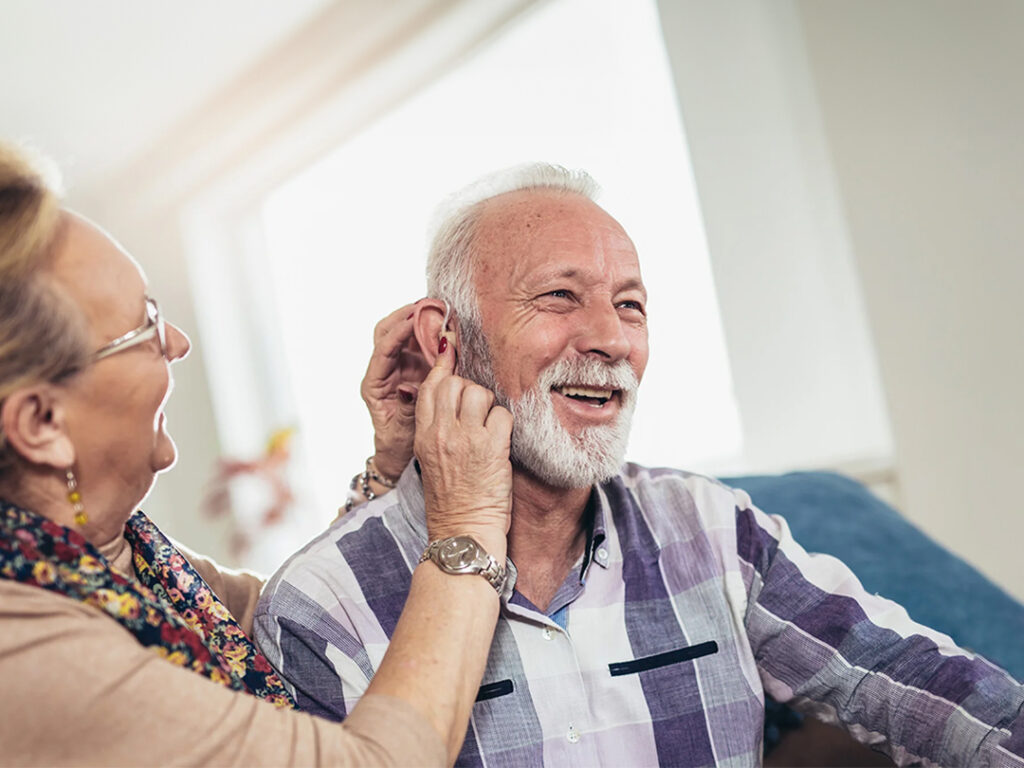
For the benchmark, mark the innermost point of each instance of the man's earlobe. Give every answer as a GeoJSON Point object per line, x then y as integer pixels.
{"type": "Point", "coordinates": [35, 427]}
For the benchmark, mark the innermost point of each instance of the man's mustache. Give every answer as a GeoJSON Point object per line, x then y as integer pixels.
{"type": "Point", "coordinates": [590, 372]}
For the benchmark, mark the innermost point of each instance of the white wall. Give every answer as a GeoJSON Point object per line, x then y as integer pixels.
{"type": "Point", "coordinates": [802, 360]}
{"type": "Point", "coordinates": [923, 107]}
{"type": "Point", "coordinates": [871, 148]}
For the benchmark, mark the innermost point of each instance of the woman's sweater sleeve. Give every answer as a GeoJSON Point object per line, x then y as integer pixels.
{"type": "Point", "coordinates": [79, 690]}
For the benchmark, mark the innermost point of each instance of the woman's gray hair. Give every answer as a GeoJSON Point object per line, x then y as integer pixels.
{"type": "Point", "coordinates": [450, 262]}
{"type": "Point", "coordinates": [41, 335]}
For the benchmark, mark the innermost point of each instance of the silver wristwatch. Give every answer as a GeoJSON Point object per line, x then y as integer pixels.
{"type": "Point", "coordinates": [461, 554]}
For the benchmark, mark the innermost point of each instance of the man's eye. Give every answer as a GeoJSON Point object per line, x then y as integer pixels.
{"type": "Point", "coordinates": [559, 294]}
{"type": "Point", "coordinates": [635, 305]}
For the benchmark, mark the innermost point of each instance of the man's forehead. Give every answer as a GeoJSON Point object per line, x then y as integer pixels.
{"type": "Point", "coordinates": [547, 220]}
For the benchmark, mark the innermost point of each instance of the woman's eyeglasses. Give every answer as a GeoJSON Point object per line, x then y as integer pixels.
{"type": "Point", "coordinates": [154, 326]}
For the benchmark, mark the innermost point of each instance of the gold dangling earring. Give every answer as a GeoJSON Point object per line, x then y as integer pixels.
{"type": "Point", "coordinates": [75, 499]}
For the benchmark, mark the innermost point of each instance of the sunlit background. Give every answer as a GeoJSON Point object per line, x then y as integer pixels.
{"type": "Point", "coordinates": [346, 239]}
{"type": "Point", "coordinates": [820, 194]}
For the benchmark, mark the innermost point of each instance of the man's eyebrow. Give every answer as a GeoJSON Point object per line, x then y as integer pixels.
{"type": "Point", "coordinates": [570, 273]}
{"type": "Point", "coordinates": [632, 284]}
{"type": "Point", "coordinates": [547, 276]}
{"type": "Point", "coordinates": [555, 274]}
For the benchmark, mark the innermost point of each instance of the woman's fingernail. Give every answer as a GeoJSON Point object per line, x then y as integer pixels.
{"type": "Point", "coordinates": [442, 345]}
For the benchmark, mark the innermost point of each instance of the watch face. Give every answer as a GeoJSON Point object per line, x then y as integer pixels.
{"type": "Point", "coordinates": [459, 552]}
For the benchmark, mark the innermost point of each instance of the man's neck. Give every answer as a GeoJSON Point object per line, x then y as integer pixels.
{"type": "Point", "coordinates": [547, 535]}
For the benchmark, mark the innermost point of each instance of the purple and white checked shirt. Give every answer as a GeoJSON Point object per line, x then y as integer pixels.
{"type": "Point", "coordinates": [688, 604]}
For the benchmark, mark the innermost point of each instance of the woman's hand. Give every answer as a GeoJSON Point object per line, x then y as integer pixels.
{"type": "Point", "coordinates": [462, 444]}
{"type": "Point", "coordinates": [389, 389]}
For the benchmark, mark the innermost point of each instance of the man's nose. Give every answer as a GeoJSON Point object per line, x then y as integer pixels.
{"type": "Point", "coordinates": [603, 334]}
{"type": "Point", "coordinates": [178, 343]}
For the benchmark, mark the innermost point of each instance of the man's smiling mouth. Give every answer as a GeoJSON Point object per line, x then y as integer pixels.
{"type": "Point", "coordinates": [590, 395]}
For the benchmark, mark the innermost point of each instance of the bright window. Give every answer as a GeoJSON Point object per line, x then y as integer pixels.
{"type": "Point", "coordinates": [582, 83]}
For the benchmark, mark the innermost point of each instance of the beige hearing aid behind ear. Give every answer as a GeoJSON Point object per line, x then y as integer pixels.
{"type": "Point", "coordinates": [445, 333]}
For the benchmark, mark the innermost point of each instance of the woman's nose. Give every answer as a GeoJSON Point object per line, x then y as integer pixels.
{"type": "Point", "coordinates": [178, 344]}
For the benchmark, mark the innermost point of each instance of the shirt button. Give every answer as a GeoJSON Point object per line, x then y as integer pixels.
{"type": "Point", "coordinates": [573, 735]}
{"type": "Point", "coordinates": [546, 633]}
{"type": "Point", "coordinates": [602, 555]}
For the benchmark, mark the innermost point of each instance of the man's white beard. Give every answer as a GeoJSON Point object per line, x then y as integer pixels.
{"type": "Point", "coordinates": [540, 444]}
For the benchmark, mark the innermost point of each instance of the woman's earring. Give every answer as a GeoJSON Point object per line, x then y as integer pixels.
{"type": "Point", "coordinates": [75, 499]}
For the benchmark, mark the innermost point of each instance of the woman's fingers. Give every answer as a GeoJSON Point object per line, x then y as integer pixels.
{"type": "Point", "coordinates": [462, 443]}
{"type": "Point", "coordinates": [499, 423]}
{"type": "Point", "coordinates": [389, 338]}
{"type": "Point", "coordinates": [388, 388]}
{"type": "Point", "coordinates": [444, 366]}
{"type": "Point", "coordinates": [396, 321]}
{"type": "Point", "coordinates": [454, 400]}
{"type": "Point", "coordinates": [475, 403]}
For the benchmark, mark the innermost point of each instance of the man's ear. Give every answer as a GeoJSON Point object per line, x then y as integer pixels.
{"type": "Point", "coordinates": [35, 426]}
{"type": "Point", "coordinates": [428, 325]}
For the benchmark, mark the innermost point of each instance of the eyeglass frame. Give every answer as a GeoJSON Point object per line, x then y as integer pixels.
{"type": "Point", "coordinates": [154, 326]}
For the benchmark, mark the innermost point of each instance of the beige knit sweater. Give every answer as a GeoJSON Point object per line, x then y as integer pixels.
{"type": "Point", "coordinates": [77, 689]}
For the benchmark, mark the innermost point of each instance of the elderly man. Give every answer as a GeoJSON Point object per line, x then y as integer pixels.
{"type": "Point", "coordinates": [645, 612]}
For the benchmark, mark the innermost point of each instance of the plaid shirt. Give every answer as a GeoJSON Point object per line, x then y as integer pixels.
{"type": "Point", "coordinates": [687, 605]}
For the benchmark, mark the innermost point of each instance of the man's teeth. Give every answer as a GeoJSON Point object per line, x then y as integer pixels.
{"type": "Point", "coordinates": [595, 394]}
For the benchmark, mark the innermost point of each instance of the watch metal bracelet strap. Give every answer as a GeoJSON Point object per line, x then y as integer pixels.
{"type": "Point", "coordinates": [463, 555]}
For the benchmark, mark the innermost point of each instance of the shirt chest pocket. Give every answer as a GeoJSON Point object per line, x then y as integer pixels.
{"type": "Point", "coordinates": [678, 656]}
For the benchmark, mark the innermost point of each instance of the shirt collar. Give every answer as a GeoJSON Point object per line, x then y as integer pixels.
{"type": "Point", "coordinates": [411, 501]}
{"type": "Point", "coordinates": [596, 506]}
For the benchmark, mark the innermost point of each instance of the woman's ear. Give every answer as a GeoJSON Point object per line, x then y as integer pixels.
{"type": "Point", "coordinates": [429, 327]}
{"type": "Point", "coordinates": [35, 427]}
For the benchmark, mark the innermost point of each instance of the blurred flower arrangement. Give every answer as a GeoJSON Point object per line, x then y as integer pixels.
{"type": "Point", "coordinates": [269, 470]}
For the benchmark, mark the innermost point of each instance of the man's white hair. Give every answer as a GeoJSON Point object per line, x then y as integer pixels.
{"type": "Point", "coordinates": [450, 262]}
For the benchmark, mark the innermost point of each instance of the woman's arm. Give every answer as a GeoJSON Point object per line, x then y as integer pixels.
{"type": "Point", "coordinates": [118, 702]}
{"type": "Point", "coordinates": [79, 690]}
{"type": "Point", "coordinates": [440, 645]}
{"type": "Point", "coordinates": [108, 700]}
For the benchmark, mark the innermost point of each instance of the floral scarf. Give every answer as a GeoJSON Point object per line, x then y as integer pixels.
{"type": "Point", "coordinates": [169, 609]}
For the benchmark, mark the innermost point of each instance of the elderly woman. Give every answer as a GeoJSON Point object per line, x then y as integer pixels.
{"type": "Point", "coordinates": [118, 647]}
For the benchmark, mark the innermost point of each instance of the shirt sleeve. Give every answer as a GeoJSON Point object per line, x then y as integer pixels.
{"type": "Point", "coordinates": [320, 654]}
{"type": "Point", "coordinates": [825, 645]}
{"type": "Point", "coordinates": [78, 689]}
